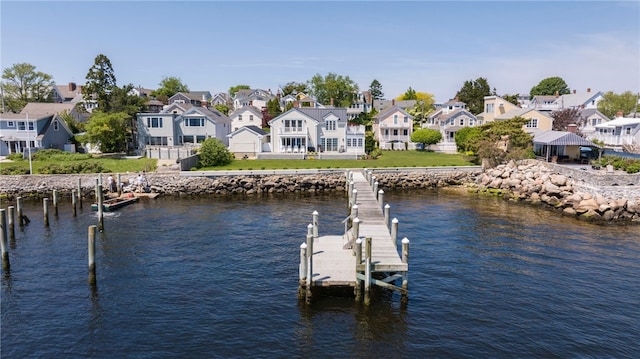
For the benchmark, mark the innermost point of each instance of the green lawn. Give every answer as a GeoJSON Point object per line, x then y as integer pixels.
{"type": "Point", "coordinates": [388, 159]}
{"type": "Point", "coordinates": [107, 164]}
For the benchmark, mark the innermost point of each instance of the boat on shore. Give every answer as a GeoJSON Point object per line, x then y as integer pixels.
{"type": "Point", "coordinates": [112, 204]}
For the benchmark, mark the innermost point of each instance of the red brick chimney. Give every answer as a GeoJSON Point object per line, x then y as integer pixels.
{"type": "Point", "coordinates": [393, 102]}
{"type": "Point", "coordinates": [296, 104]}
{"type": "Point", "coordinates": [331, 102]}
{"type": "Point", "coordinates": [573, 128]}
{"type": "Point", "coordinates": [619, 114]}
{"type": "Point", "coordinates": [574, 91]}
{"type": "Point", "coordinates": [72, 86]}
{"type": "Point", "coordinates": [588, 90]}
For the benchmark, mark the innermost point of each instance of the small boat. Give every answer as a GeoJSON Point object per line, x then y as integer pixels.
{"type": "Point", "coordinates": [111, 204]}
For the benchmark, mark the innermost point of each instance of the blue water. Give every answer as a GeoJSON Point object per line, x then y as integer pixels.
{"type": "Point", "coordinates": [217, 278]}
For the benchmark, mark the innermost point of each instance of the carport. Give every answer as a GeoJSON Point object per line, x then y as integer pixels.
{"type": "Point", "coordinates": [559, 145]}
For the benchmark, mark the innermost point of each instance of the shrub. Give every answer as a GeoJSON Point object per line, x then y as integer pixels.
{"type": "Point", "coordinates": [214, 153]}
{"type": "Point", "coordinates": [15, 157]}
{"type": "Point", "coordinates": [58, 155]}
{"type": "Point", "coordinates": [633, 168]}
{"type": "Point", "coordinates": [14, 170]}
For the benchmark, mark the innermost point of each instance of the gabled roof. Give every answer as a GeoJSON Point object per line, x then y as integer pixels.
{"type": "Point", "coordinates": [385, 113]}
{"type": "Point", "coordinates": [45, 107]}
{"type": "Point", "coordinates": [620, 121]}
{"type": "Point", "coordinates": [251, 128]}
{"type": "Point", "coordinates": [576, 99]}
{"type": "Point", "coordinates": [518, 112]}
{"type": "Point", "coordinates": [211, 113]}
{"type": "Point", "coordinates": [454, 114]}
{"type": "Point", "coordinates": [560, 138]}
{"type": "Point", "coordinates": [315, 114]}
{"type": "Point", "coordinates": [455, 103]}
{"type": "Point", "coordinates": [251, 109]}
{"type": "Point", "coordinates": [590, 112]}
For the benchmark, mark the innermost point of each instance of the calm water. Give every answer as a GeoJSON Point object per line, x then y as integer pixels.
{"type": "Point", "coordinates": [212, 278]}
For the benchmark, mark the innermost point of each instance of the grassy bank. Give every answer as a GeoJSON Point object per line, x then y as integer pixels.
{"type": "Point", "coordinates": [388, 159]}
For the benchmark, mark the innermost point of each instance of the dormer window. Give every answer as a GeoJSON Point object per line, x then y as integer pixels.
{"type": "Point", "coordinates": [56, 125]}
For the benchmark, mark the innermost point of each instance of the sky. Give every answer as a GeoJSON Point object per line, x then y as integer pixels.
{"type": "Point", "coordinates": [430, 46]}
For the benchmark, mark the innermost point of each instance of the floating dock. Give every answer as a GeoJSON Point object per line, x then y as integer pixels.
{"type": "Point", "coordinates": [365, 254]}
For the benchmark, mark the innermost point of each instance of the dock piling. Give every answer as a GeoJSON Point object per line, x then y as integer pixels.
{"type": "Point", "coordinates": [302, 283]}
{"type": "Point", "coordinates": [80, 192]}
{"type": "Point", "coordinates": [309, 281]}
{"type": "Point", "coordinates": [21, 218]}
{"type": "Point", "coordinates": [356, 227]}
{"type": "Point", "coordinates": [119, 184]}
{"type": "Point", "coordinates": [358, 286]}
{"type": "Point", "coordinates": [45, 208]}
{"type": "Point", "coordinates": [3, 240]}
{"type": "Point", "coordinates": [405, 275]}
{"type": "Point", "coordinates": [375, 188]}
{"type": "Point", "coordinates": [74, 202]}
{"type": "Point", "coordinates": [381, 199]}
{"type": "Point", "coordinates": [91, 246]}
{"type": "Point", "coordinates": [55, 202]}
{"type": "Point", "coordinates": [100, 208]}
{"type": "Point", "coordinates": [12, 222]}
{"type": "Point", "coordinates": [354, 195]}
{"type": "Point", "coordinates": [315, 224]}
{"type": "Point", "coordinates": [387, 215]}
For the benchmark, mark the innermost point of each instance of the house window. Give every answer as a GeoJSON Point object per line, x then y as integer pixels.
{"type": "Point", "coordinates": [250, 117]}
{"type": "Point", "coordinates": [194, 122]}
{"type": "Point", "coordinates": [359, 142]}
{"type": "Point", "coordinates": [395, 119]}
{"type": "Point", "coordinates": [489, 108]}
{"type": "Point", "coordinates": [56, 126]}
{"type": "Point", "coordinates": [30, 126]}
{"type": "Point", "coordinates": [11, 124]}
{"type": "Point", "coordinates": [462, 122]}
{"type": "Point", "coordinates": [22, 126]}
{"type": "Point", "coordinates": [406, 119]}
{"type": "Point", "coordinates": [533, 123]}
{"type": "Point", "coordinates": [330, 125]}
{"type": "Point", "coordinates": [405, 132]}
{"type": "Point", "coordinates": [628, 131]}
{"type": "Point", "coordinates": [330, 144]}
{"type": "Point", "coordinates": [386, 132]}
{"type": "Point", "coordinates": [348, 142]}
{"type": "Point", "coordinates": [471, 122]}
{"type": "Point", "coordinates": [239, 117]}
{"type": "Point", "coordinates": [154, 122]}
{"type": "Point", "coordinates": [395, 132]}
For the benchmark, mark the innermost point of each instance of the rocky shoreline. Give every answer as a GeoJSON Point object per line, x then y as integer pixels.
{"type": "Point", "coordinates": [585, 194]}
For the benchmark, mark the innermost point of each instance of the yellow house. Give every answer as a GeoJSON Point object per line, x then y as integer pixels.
{"type": "Point", "coordinates": [497, 108]}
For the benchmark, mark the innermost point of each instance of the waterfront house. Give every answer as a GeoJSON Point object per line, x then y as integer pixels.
{"type": "Point", "coordinates": [325, 130]}
{"type": "Point", "coordinates": [21, 132]}
{"type": "Point", "coordinates": [448, 118]}
{"type": "Point", "coordinates": [248, 141]}
{"type": "Point", "coordinates": [252, 97]}
{"type": "Point", "coordinates": [245, 116]}
{"type": "Point", "coordinates": [497, 108]}
{"type": "Point", "coordinates": [392, 128]}
{"type": "Point", "coordinates": [196, 98]}
{"type": "Point", "coordinates": [559, 145]}
{"type": "Point", "coordinates": [619, 133]}
{"type": "Point", "coordinates": [182, 124]}
{"type": "Point", "coordinates": [589, 119]}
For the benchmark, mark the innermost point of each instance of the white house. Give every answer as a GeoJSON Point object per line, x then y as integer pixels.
{"type": "Point", "coordinates": [619, 133]}
{"type": "Point", "coordinates": [392, 128]}
{"type": "Point", "coordinates": [245, 116]}
{"type": "Point", "coordinates": [249, 141]}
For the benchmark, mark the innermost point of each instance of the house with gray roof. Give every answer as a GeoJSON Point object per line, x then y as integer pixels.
{"type": "Point", "coordinates": [196, 98]}
{"type": "Point", "coordinates": [249, 141]}
{"type": "Point", "coordinates": [252, 97]}
{"type": "Point", "coordinates": [22, 132]}
{"type": "Point", "coordinates": [589, 119]}
{"type": "Point", "coordinates": [323, 130]}
{"type": "Point", "coordinates": [392, 129]}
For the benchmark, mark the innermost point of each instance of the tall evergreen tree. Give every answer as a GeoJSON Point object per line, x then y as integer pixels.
{"type": "Point", "coordinates": [473, 92]}
{"type": "Point", "coordinates": [101, 81]}
{"type": "Point", "coordinates": [376, 90]}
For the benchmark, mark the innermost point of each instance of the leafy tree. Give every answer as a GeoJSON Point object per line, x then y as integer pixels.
{"type": "Point", "coordinates": [332, 86]}
{"type": "Point", "coordinates": [550, 86]}
{"type": "Point", "coordinates": [74, 125]}
{"type": "Point", "coordinates": [122, 100]}
{"type": "Point", "coordinates": [294, 88]}
{"type": "Point", "coordinates": [376, 90]}
{"type": "Point", "coordinates": [100, 83]}
{"type": "Point", "coordinates": [369, 142]}
{"type": "Point", "coordinates": [511, 98]}
{"type": "Point", "coordinates": [222, 108]}
{"type": "Point", "coordinates": [273, 107]}
{"type": "Point", "coordinates": [426, 136]}
{"type": "Point", "coordinates": [423, 107]}
{"type": "Point", "coordinates": [410, 94]}
{"type": "Point", "coordinates": [214, 153]}
{"type": "Point", "coordinates": [468, 139]}
{"type": "Point", "coordinates": [504, 140]}
{"type": "Point", "coordinates": [107, 130]}
{"type": "Point", "coordinates": [234, 89]}
{"type": "Point", "coordinates": [563, 118]}
{"type": "Point", "coordinates": [611, 103]}
{"type": "Point", "coordinates": [169, 86]}
{"type": "Point", "coordinates": [473, 93]}
{"type": "Point", "coordinates": [22, 84]}
{"type": "Point", "coordinates": [363, 118]}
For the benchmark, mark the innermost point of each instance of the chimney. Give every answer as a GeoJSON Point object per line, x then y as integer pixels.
{"type": "Point", "coordinates": [501, 108]}
{"type": "Point", "coordinates": [573, 128]}
{"type": "Point", "coordinates": [557, 94]}
{"type": "Point", "coordinates": [72, 86]}
{"type": "Point", "coordinates": [331, 102]}
{"type": "Point", "coordinates": [393, 102]}
{"type": "Point", "coordinates": [588, 89]}
{"type": "Point", "coordinates": [574, 91]}
{"type": "Point", "coordinates": [619, 114]}
{"type": "Point", "coordinates": [296, 104]}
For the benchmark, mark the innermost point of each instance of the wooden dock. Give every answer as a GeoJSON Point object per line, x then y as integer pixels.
{"type": "Point", "coordinates": [366, 254]}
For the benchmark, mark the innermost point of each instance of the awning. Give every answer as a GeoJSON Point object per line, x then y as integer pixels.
{"type": "Point", "coordinates": [561, 138]}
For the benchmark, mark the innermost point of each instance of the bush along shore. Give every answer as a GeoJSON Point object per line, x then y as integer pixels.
{"type": "Point", "coordinates": [601, 195]}
{"type": "Point", "coordinates": [582, 192]}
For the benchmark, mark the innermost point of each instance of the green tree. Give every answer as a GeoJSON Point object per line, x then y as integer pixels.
{"type": "Point", "coordinates": [550, 86]}
{"type": "Point", "coordinates": [410, 94]}
{"type": "Point", "coordinates": [473, 93]}
{"type": "Point", "coordinates": [107, 130]}
{"type": "Point", "coordinates": [23, 84]}
{"type": "Point", "coordinates": [101, 81]}
{"type": "Point", "coordinates": [332, 86]}
{"type": "Point", "coordinates": [214, 153]}
{"type": "Point", "coordinates": [234, 89]}
{"type": "Point", "coordinates": [423, 107]}
{"type": "Point", "coordinates": [74, 125]}
{"type": "Point", "coordinates": [273, 107]}
{"type": "Point", "coordinates": [565, 117]}
{"type": "Point", "coordinates": [504, 140]}
{"type": "Point", "coordinates": [426, 136]}
{"type": "Point", "coordinates": [369, 142]}
{"type": "Point", "coordinates": [468, 139]}
{"type": "Point", "coordinates": [294, 88]}
{"type": "Point", "coordinates": [376, 90]}
{"type": "Point", "coordinates": [123, 100]}
{"type": "Point", "coordinates": [611, 103]}
{"type": "Point", "coordinates": [169, 86]}
{"type": "Point", "coordinates": [511, 98]}
{"type": "Point", "coordinates": [222, 108]}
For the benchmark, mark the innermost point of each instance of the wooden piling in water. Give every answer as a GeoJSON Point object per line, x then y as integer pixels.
{"type": "Point", "coordinates": [74, 202]}
{"type": "Point", "coordinates": [119, 185]}
{"type": "Point", "coordinates": [21, 217]}
{"type": "Point", "coordinates": [358, 286]}
{"type": "Point", "coordinates": [80, 192]}
{"type": "Point", "coordinates": [91, 246]}
{"type": "Point", "coordinates": [12, 222]}
{"type": "Point", "coordinates": [45, 208]}
{"type": "Point", "coordinates": [4, 246]}
{"type": "Point", "coordinates": [394, 231]}
{"type": "Point", "coordinates": [387, 215]}
{"type": "Point", "coordinates": [315, 224]}
{"type": "Point", "coordinates": [309, 281]}
{"type": "Point", "coordinates": [100, 209]}
{"type": "Point", "coordinates": [405, 275]}
{"type": "Point", "coordinates": [302, 282]}
{"type": "Point", "coordinates": [55, 202]}
{"type": "Point", "coordinates": [367, 271]}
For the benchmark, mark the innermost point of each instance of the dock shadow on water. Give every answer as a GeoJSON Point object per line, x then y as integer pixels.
{"type": "Point", "coordinates": [217, 278]}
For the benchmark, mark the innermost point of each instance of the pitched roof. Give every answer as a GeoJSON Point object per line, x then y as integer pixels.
{"type": "Point", "coordinates": [620, 121]}
{"type": "Point", "coordinates": [255, 129]}
{"type": "Point", "coordinates": [576, 99]}
{"type": "Point", "coordinates": [319, 114]}
{"type": "Point", "coordinates": [47, 108]}
{"type": "Point", "coordinates": [390, 110]}
{"type": "Point", "coordinates": [560, 138]}
{"type": "Point", "coordinates": [518, 112]}
{"type": "Point", "coordinates": [251, 109]}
